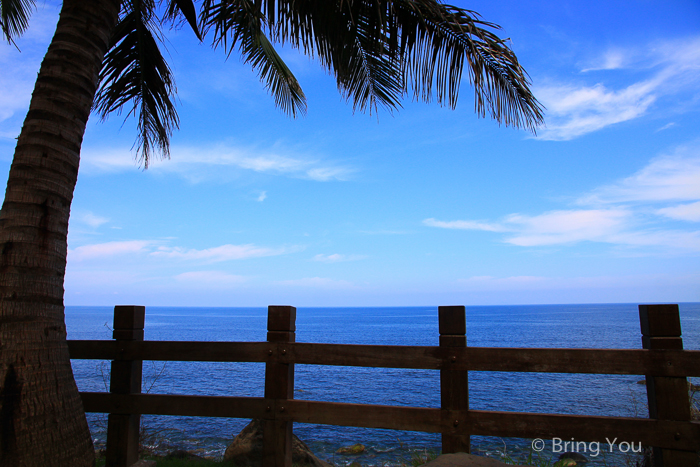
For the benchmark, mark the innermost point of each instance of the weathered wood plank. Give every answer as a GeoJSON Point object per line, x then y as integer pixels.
{"type": "Point", "coordinates": [452, 320]}
{"type": "Point", "coordinates": [125, 378]}
{"type": "Point", "coordinates": [182, 351]}
{"type": "Point", "coordinates": [168, 404]}
{"type": "Point", "coordinates": [668, 396]}
{"type": "Point", "coordinates": [429, 420]}
{"type": "Point", "coordinates": [660, 320]}
{"type": "Point", "coordinates": [454, 383]}
{"type": "Point", "coordinates": [384, 356]}
{"type": "Point", "coordinates": [594, 361]}
{"type": "Point", "coordinates": [92, 349]}
{"type": "Point", "coordinates": [665, 433]}
{"type": "Point", "coordinates": [279, 387]}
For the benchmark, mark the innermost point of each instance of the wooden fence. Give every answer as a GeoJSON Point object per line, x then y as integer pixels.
{"type": "Point", "coordinates": [674, 437]}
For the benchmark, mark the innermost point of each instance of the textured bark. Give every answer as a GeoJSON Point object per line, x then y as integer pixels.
{"type": "Point", "coordinates": [41, 415]}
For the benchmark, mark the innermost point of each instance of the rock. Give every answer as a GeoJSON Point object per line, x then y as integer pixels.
{"type": "Point", "coordinates": [462, 459]}
{"type": "Point", "coordinates": [144, 463]}
{"type": "Point", "coordinates": [354, 449]}
{"type": "Point", "coordinates": [578, 458]}
{"type": "Point", "coordinates": [246, 449]}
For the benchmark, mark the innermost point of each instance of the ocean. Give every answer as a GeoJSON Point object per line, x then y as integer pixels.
{"type": "Point", "coordinates": [614, 326]}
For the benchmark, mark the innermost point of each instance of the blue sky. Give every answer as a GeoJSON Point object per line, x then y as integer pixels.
{"type": "Point", "coordinates": [420, 206]}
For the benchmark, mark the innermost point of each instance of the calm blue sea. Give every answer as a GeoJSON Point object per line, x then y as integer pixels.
{"type": "Point", "coordinates": [565, 326]}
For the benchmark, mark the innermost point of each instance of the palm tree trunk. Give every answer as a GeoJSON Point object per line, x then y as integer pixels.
{"type": "Point", "coordinates": [42, 422]}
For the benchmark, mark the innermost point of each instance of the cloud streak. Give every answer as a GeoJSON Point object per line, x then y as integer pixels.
{"type": "Point", "coordinates": [202, 163]}
{"type": "Point", "coordinates": [155, 249]}
{"type": "Point", "coordinates": [574, 110]}
{"type": "Point", "coordinates": [318, 283]}
{"type": "Point", "coordinates": [220, 253]}
{"type": "Point", "coordinates": [337, 258]}
{"type": "Point", "coordinates": [632, 212]}
{"type": "Point", "coordinates": [210, 278]}
{"type": "Point", "coordinates": [465, 225]}
{"type": "Point", "coordinates": [109, 249]}
{"type": "Point", "coordinates": [674, 177]}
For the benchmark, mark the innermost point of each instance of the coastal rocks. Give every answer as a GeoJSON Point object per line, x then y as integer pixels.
{"type": "Point", "coordinates": [246, 449]}
{"type": "Point", "coordinates": [144, 463]}
{"type": "Point", "coordinates": [462, 459]}
{"type": "Point", "coordinates": [354, 449]}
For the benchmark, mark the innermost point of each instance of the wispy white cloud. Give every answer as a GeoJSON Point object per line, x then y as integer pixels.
{"type": "Point", "coordinates": [666, 127]}
{"type": "Point", "coordinates": [552, 228]}
{"type": "Point", "coordinates": [91, 219]}
{"type": "Point", "coordinates": [616, 226]}
{"type": "Point", "coordinates": [337, 258]}
{"type": "Point", "coordinates": [559, 227]}
{"type": "Point", "coordinates": [318, 282]}
{"type": "Point", "coordinates": [109, 249]}
{"type": "Point", "coordinates": [156, 249]}
{"type": "Point", "coordinates": [465, 225]}
{"type": "Point", "coordinates": [585, 283]}
{"type": "Point", "coordinates": [220, 253]}
{"type": "Point", "coordinates": [210, 278]}
{"type": "Point", "coordinates": [611, 60]}
{"type": "Point", "coordinates": [633, 212]}
{"type": "Point", "coordinates": [573, 111]}
{"type": "Point", "coordinates": [684, 212]}
{"type": "Point", "coordinates": [384, 232]}
{"type": "Point", "coordinates": [262, 197]}
{"type": "Point", "coordinates": [482, 283]}
{"type": "Point", "coordinates": [17, 85]}
{"type": "Point", "coordinates": [577, 109]}
{"type": "Point", "coordinates": [674, 177]}
{"type": "Point", "coordinates": [202, 163]}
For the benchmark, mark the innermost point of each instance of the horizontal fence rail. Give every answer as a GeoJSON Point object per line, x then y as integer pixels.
{"type": "Point", "coordinates": [675, 438]}
{"type": "Point", "coordinates": [429, 420]}
{"type": "Point", "coordinates": [506, 359]}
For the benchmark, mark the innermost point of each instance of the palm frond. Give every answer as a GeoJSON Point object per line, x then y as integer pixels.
{"type": "Point", "coordinates": [366, 72]}
{"type": "Point", "coordinates": [347, 40]}
{"type": "Point", "coordinates": [184, 8]}
{"type": "Point", "coordinates": [439, 41]}
{"type": "Point", "coordinates": [135, 74]}
{"type": "Point", "coordinates": [363, 42]}
{"type": "Point", "coordinates": [14, 17]}
{"type": "Point", "coordinates": [239, 23]}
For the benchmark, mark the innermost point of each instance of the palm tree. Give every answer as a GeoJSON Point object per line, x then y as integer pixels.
{"type": "Point", "coordinates": [105, 56]}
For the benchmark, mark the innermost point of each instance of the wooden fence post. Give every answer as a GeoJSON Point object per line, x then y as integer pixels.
{"type": "Point", "coordinates": [454, 384]}
{"type": "Point", "coordinates": [668, 396]}
{"type": "Point", "coordinates": [123, 429]}
{"type": "Point", "coordinates": [279, 386]}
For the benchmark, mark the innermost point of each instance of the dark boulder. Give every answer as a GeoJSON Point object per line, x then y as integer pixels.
{"type": "Point", "coordinates": [246, 449]}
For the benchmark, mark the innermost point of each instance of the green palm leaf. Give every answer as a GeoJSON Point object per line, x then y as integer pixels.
{"type": "Point", "coordinates": [184, 8]}
{"type": "Point", "coordinates": [377, 48]}
{"type": "Point", "coordinates": [445, 39]}
{"type": "Point", "coordinates": [135, 74]}
{"type": "Point", "coordinates": [240, 23]}
{"type": "Point", "coordinates": [14, 17]}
